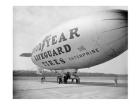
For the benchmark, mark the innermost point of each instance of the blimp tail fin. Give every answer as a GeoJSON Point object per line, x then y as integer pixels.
{"type": "Point", "coordinates": [26, 54]}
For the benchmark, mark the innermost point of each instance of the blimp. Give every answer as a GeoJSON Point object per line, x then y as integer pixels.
{"type": "Point", "coordinates": [82, 43]}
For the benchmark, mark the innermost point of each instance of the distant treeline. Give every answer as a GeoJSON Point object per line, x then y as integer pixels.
{"type": "Point", "coordinates": [53, 74]}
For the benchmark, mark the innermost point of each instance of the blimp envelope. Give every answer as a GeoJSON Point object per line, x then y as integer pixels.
{"type": "Point", "coordinates": [83, 42]}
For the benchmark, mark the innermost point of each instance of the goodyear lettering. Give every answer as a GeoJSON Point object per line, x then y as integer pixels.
{"type": "Point", "coordinates": [62, 37]}
{"type": "Point", "coordinates": [47, 40]}
{"type": "Point", "coordinates": [74, 32]}
{"type": "Point", "coordinates": [54, 39]}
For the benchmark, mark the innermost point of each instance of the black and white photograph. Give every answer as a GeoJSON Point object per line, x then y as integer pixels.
{"type": "Point", "coordinates": [70, 52]}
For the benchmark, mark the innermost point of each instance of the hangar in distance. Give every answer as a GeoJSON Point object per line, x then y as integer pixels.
{"type": "Point", "coordinates": [83, 42]}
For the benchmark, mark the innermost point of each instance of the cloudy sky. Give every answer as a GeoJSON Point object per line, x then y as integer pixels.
{"type": "Point", "coordinates": [31, 23]}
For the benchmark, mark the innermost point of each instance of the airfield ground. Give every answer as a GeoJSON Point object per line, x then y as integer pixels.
{"type": "Point", "coordinates": [89, 88]}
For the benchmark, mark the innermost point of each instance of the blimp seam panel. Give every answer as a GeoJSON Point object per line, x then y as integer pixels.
{"type": "Point", "coordinates": [116, 28]}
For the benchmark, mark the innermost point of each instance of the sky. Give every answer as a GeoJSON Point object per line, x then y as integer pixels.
{"type": "Point", "coordinates": [30, 23]}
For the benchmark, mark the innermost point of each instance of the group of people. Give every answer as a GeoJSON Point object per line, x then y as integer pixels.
{"type": "Point", "coordinates": [63, 78]}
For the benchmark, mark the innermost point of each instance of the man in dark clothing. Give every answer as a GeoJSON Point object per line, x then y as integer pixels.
{"type": "Point", "coordinates": [68, 75]}
{"type": "Point", "coordinates": [65, 79]}
{"type": "Point", "coordinates": [59, 79]}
